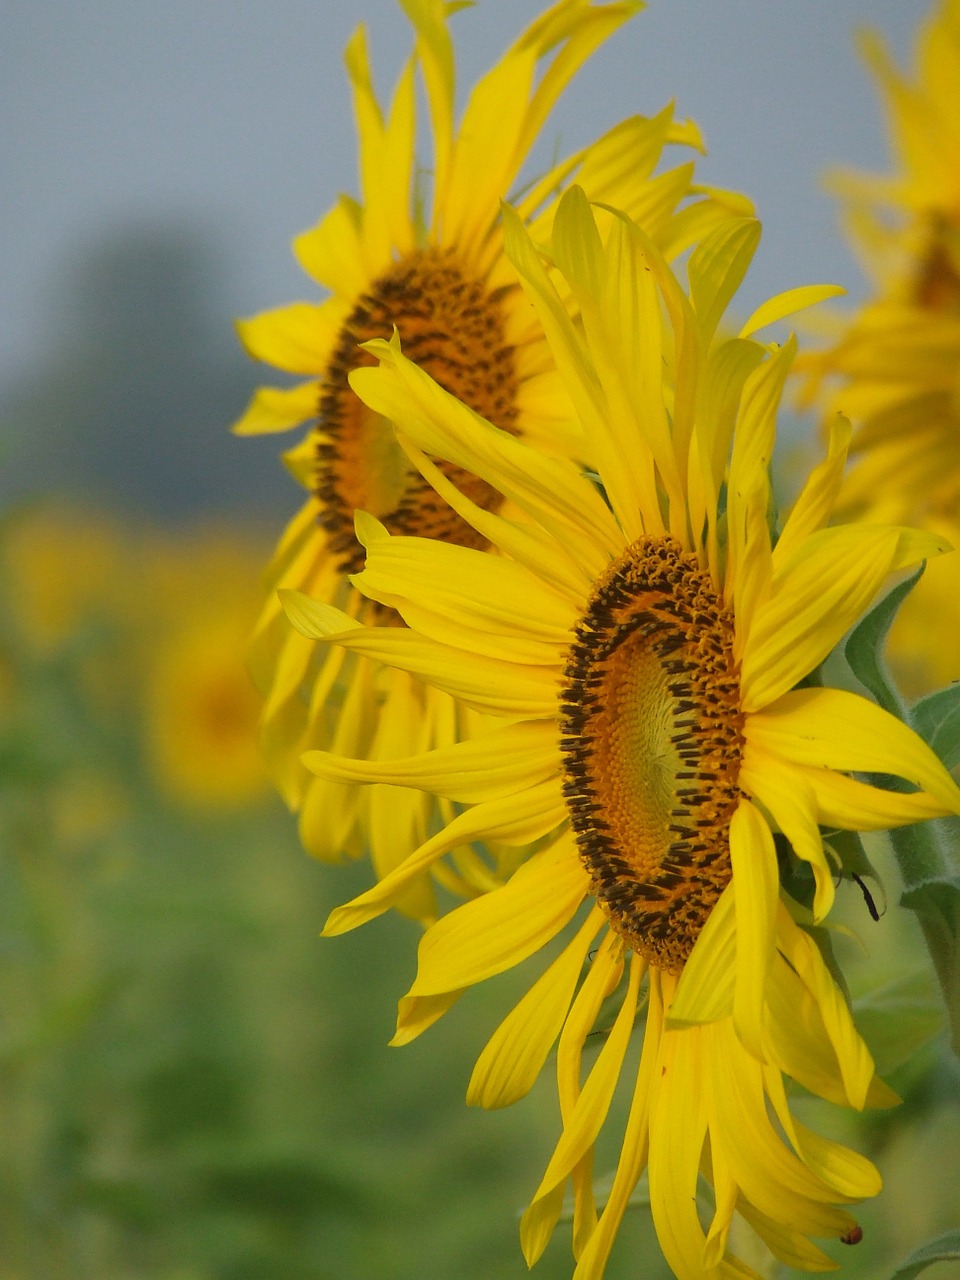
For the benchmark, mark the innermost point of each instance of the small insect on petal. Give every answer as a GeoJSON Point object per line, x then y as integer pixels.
{"type": "Point", "coordinates": [853, 1236]}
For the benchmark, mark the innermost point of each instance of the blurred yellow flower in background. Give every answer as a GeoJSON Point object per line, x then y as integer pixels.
{"type": "Point", "coordinates": [201, 709]}
{"type": "Point", "coordinates": [67, 571]}
{"type": "Point", "coordinates": [664, 749]}
{"type": "Point", "coordinates": [64, 564]}
{"type": "Point", "coordinates": [433, 266]}
{"type": "Point", "coordinates": [156, 627]}
{"type": "Point", "coordinates": [895, 366]}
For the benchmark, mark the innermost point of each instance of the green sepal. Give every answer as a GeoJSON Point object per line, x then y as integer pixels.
{"type": "Point", "coordinates": [899, 1019]}
{"type": "Point", "coordinates": [945, 1248]}
{"type": "Point", "coordinates": [937, 720]}
{"type": "Point", "coordinates": [937, 907]}
{"type": "Point", "coordinates": [856, 865]}
{"type": "Point", "coordinates": [927, 853]}
{"type": "Point", "coordinates": [864, 647]}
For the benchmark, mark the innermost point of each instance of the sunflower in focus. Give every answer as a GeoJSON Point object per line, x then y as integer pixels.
{"type": "Point", "coordinates": [433, 267]}
{"type": "Point", "coordinates": [662, 751]}
{"type": "Point", "coordinates": [895, 366]}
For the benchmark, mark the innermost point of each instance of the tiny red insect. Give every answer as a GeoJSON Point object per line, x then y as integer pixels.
{"type": "Point", "coordinates": [853, 1236]}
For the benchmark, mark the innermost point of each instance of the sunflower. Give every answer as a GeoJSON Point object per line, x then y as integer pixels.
{"type": "Point", "coordinates": [441, 278]}
{"type": "Point", "coordinates": [895, 364]}
{"type": "Point", "coordinates": [200, 707]}
{"type": "Point", "coordinates": [666, 755]}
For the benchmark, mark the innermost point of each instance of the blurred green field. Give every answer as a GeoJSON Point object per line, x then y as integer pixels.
{"type": "Point", "coordinates": [195, 1086]}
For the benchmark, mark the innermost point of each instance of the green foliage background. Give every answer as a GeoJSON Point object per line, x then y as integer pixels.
{"type": "Point", "coordinates": [195, 1086]}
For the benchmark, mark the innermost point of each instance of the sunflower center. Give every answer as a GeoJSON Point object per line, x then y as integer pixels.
{"type": "Point", "coordinates": [937, 284]}
{"type": "Point", "coordinates": [453, 327]}
{"type": "Point", "coordinates": [652, 741]}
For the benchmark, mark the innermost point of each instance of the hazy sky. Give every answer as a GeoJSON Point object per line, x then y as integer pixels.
{"type": "Point", "coordinates": [234, 116]}
{"type": "Point", "coordinates": [227, 126]}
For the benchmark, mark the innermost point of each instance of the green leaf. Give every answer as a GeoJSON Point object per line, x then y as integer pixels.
{"type": "Point", "coordinates": [945, 1248]}
{"type": "Point", "coordinates": [937, 907]}
{"type": "Point", "coordinates": [928, 855]}
{"type": "Point", "coordinates": [864, 647]}
{"type": "Point", "coordinates": [899, 1018]}
{"type": "Point", "coordinates": [937, 720]}
{"type": "Point", "coordinates": [855, 865]}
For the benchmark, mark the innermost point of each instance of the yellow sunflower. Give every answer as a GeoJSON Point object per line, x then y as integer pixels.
{"type": "Point", "coordinates": [897, 362]}
{"type": "Point", "coordinates": [200, 707]}
{"type": "Point", "coordinates": [664, 750]}
{"type": "Point", "coordinates": [435, 269]}
{"type": "Point", "coordinates": [895, 366]}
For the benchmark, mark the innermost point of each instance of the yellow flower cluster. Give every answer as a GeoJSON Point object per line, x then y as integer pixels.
{"type": "Point", "coordinates": [157, 625]}
{"type": "Point", "coordinates": [538, 645]}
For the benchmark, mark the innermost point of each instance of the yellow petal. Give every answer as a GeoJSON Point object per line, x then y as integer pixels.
{"type": "Point", "coordinates": [500, 762]}
{"type": "Point", "coordinates": [436, 58]}
{"type": "Point", "coordinates": [850, 1175]}
{"type": "Point", "coordinates": [818, 592]}
{"type": "Point", "coordinates": [484, 157]}
{"type": "Point", "coordinates": [852, 805]}
{"type": "Point", "coordinates": [551, 490]}
{"type": "Point", "coordinates": [757, 426]}
{"type": "Point", "coordinates": [705, 990]}
{"type": "Point", "coordinates": [787, 304]}
{"type": "Point", "coordinates": [385, 155]}
{"type": "Point", "coordinates": [298, 337]}
{"type": "Point", "coordinates": [678, 1127]}
{"type": "Point", "coordinates": [539, 1223]}
{"type": "Point", "coordinates": [483, 683]}
{"type": "Point", "coordinates": [467, 598]}
{"type": "Point", "coordinates": [834, 729]}
{"type": "Point", "coordinates": [769, 1174]}
{"type": "Point", "coordinates": [814, 506]}
{"type": "Point", "coordinates": [717, 267]}
{"type": "Point", "coordinates": [856, 1064]}
{"type": "Point", "coordinates": [791, 801]}
{"type": "Point", "coordinates": [332, 253]}
{"type": "Point", "coordinates": [581, 1128]}
{"type": "Point", "coordinates": [603, 976]}
{"type": "Point", "coordinates": [755, 877]}
{"type": "Point", "coordinates": [633, 1153]}
{"type": "Point", "coordinates": [498, 930]}
{"type": "Point", "coordinates": [416, 1013]}
{"type": "Point", "coordinates": [513, 819]}
{"type": "Point", "coordinates": [527, 543]}
{"type": "Point", "coordinates": [620, 309]}
{"type": "Point", "coordinates": [789, 1246]}
{"type": "Point", "coordinates": [797, 1035]}
{"type": "Point", "coordinates": [275, 409]}
{"type": "Point", "coordinates": [514, 1055]}
{"type": "Point", "coordinates": [577, 30]}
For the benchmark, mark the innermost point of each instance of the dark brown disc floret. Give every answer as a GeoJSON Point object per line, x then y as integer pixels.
{"type": "Point", "coordinates": [652, 740]}
{"type": "Point", "coordinates": [937, 282]}
{"type": "Point", "coordinates": [453, 327]}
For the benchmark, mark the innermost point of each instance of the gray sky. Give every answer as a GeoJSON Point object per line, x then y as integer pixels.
{"type": "Point", "coordinates": [232, 119]}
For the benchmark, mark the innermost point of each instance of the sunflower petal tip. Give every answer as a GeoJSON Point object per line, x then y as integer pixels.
{"type": "Point", "coordinates": [368, 528]}
{"type": "Point", "coordinates": [312, 618]}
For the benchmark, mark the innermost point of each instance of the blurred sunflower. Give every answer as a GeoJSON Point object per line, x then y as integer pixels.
{"type": "Point", "coordinates": [200, 707]}
{"type": "Point", "coordinates": [665, 748]}
{"type": "Point", "coordinates": [441, 278]}
{"type": "Point", "coordinates": [65, 571]}
{"type": "Point", "coordinates": [895, 366]}
{"type": "Point", "coordinates": [63, 564]}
